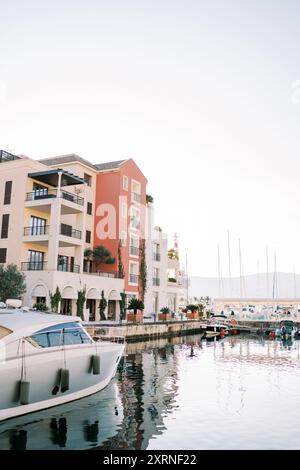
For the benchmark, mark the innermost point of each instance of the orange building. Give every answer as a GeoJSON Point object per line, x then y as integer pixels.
{"type": "Point", "coordinates": [120, 204]}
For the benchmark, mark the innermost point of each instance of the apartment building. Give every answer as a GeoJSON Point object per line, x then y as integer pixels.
{"type": "Point", "coordinates": [47, 220]}
{"type": "Point", "coordinates": [116, 194]}
{"type": "Point", "coordinates": [157, 265]}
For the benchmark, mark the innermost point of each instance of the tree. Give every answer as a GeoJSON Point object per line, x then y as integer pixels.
{"type": "Point", "coordinates": [102, 306]}
{"type": "Point", "coordinates": [55, 299]}
{"type": "Point", "coordinates": [81, 298]}
{"type": "Point", "coordinates": [122, 306]}
{"type": "Point", "coordinates": [100, 255]}
{"type": "Point", "coordinates": [135, 305]}
{"type": "Point", "coordinates": [165, 310]}
{"type": "Point", "coordinates": [149, 199]}
{"type": "Point", "coordinates": [121, 272]}
{"type": "Point", "coordinates": [12, 282]}
{"type": "Point", "coordinates": [143, 269]}
{"type": "Point", "coordinates": [172, 254]}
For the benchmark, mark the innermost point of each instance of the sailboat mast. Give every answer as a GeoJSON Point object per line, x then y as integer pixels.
{"type": "Point", "coordinates": [219, 271]}
{"type": "Point", "coordinates": [187, 278]}
{"type": "Point", "coordinates": [295, 284]}
{"type": "Point", "coordinates": [229, 263]}
{"type": "Point", "coordinates": [240, 259]}
{"type": "Point", "coordinates": [274, 276]}
{"type": "Point", "coordinates": [267, 261]}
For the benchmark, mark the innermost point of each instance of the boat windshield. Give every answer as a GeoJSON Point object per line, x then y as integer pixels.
{"type": "Point", "coordinates": [287, 323]}
{"type": "Point", "coordinates": [4, 332]}
{"type": "Point", "coordinates": [58, 335]}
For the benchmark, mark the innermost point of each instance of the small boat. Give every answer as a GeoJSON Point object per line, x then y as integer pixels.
{"type": "Point", "coordinates": [47, 360]}
{"type": "Point", "coordinates": [286, 328]}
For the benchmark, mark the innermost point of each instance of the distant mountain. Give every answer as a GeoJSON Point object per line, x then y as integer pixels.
{"type": "Point", "coordinates": [285, 285]}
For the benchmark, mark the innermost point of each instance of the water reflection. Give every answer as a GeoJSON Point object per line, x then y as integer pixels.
{"type": "Point", "coordinates": [183, 392]}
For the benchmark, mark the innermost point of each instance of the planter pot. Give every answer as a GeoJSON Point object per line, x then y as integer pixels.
{"type": "Point", "coordinates": [164, 316]}
{"type": "Point", "coordinates": [138, 318]}
{"type": "Point", "coordinates": [192, 316]}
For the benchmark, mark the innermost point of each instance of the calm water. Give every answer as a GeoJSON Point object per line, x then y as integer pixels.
{"type": "Point", "coordinates": [181, 393]}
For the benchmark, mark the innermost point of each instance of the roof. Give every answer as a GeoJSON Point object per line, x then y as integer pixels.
{"type": "Point", "coordinates": [109, 165]}
{"type": "Point", "coordinates": [17, 319]}
{"type": "Point", "coordinates": [51, 177]}
{"type": "Point", "coordinates": [72, 157]}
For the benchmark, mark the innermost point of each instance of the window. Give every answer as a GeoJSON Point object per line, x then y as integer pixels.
{"type": "Point", "coordinates": [124, 210]}
{"type": "Point", "coordinates": [58, 335]}
{"type": "Point", "coordinates": [3, 255]}
{"type": "Point", "coordinates": [37, 226]}
{"type": "Point", "coordinates": [88, 236]}
{"type": "Point", "coordinates": [7, 192]}
{"type": "Point", "coordinates": [4, 331]}
{"type": "Point", "coordinates": [88, 179]}
{"type": "Point", "coordinates": [123, 238]}
{"type": "Point", "coordinates": [125, 183]}
{"type": "Point", "coordinates": [35, 260]}
{"type": "Point", "coordinates": [89, 208]}
{"type": "Point", "coordinates": [135, 218]}
{"type": "Point", "coordinates": [134, 246]}
{"type": "Point", "coordinates": [65, 263]}
{"type": "Point", "coordinates": [133, 273]}
{"type": "Point", "coordinates": [4, 228]}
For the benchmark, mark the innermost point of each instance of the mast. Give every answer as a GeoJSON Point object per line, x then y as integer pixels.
{"type": "Point", "coordinates": [267, 261]}
{"type": "Point", "coordinates": [229, 263]}
{"type": "Point", "coordinates": [219, 271]}
{"type": "Point", "coordinates": [187, 278]}
{"type": "Point", "coordinates": [295, 284]}
{"type": "Point", "coordinates": [240, 259]}
{"type": "Point", "coordinates": [274, 276]}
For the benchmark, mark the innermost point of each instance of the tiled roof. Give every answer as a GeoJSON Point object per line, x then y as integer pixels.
{"type": "Point", "coordinates": [109, 165]}
{"type": "Point", "coordinates": [72, 157]}
{"type": "Point", "coordinates": [75, 158]}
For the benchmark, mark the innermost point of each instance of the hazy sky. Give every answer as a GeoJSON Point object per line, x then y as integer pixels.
{"type": "Point", "coordinates": [199, 93]}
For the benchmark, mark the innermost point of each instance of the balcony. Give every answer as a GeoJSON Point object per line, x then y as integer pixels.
{"type": "Point", "coordinates": [34, 266]}
{"type": "Point", "coordinates": [134, 250]}
{"type": "Point", "coordinates": [136, 197]}
{"type": "Point", "coordinates": [68, 267]}
{"type": "Point", "coordinates": [43, 197]}
{"type": "Point", "coordinates": [156, 281]}
{"type": "Point", "coordinates": [68, 231]}
{"type": "Point", "coordinates": [156, 256]}
{"type": "Point", "coordinates": [36, 231]}
{"type": "Point", "coordinates": [113, 275]}
{"type": "Point", "coordinates": [133, 278]}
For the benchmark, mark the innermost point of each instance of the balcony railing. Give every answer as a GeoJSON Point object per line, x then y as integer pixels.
{"type": "Point", "coordinates": [134, 278]}
{"type": "Point", "coordinates": [156, 281]}
{"type": "Point", "coordinates": [103, 274]}
{"type": "Point", "coordinates": [156, 256]}
{"type": "Point", "coordinates": [34, 231]}
{"type": "Point", "coordinates": [68, 231]}
{"type": "Point", "coordinates": [34, 266]}
{"type": "Point", "coordinates": [136, 197]}
{"type": "Point", "coordinates": [72, 197]}
{"type": "Point", "coordinates": [134, 250]}
{"type": "Point", "coordinates": [41, 194]}
{"type": "Point", "coordinates": [53, 193]}
{"type": "Point", "coordinates": [68, 267]}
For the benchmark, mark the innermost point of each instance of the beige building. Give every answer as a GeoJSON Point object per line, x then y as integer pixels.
{"type": "Point", "coordinates": [47, 221]}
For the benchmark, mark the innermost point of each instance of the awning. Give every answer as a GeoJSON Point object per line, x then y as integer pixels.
{"type": "Point", "coordinates": [114, 295]}
{"type": "Point", "coordinates": [93, 294]}
{"type": "Point", "coordinates": [39, 291]}
{"type": "Point", "coordinates": [69, 293]}
{"type": "Point", "coordinates": [51, 177]}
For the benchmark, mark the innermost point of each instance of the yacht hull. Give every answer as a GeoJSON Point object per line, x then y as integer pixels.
{"type": "Point", "coordinates": [42, 371]}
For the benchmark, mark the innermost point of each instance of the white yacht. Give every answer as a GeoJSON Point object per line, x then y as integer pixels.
{"type": "Point", "coordinates": [47, 360]}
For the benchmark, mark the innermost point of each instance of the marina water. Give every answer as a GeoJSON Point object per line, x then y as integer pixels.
{"type": "Point", "coordinates": [241, 392]}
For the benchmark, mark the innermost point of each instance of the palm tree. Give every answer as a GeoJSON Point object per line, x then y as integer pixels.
{"type": "Point", "coordinates": [100, 255]}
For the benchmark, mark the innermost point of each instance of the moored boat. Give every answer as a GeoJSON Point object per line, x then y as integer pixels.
{"type": "Point", "coordinates": [47, 360]}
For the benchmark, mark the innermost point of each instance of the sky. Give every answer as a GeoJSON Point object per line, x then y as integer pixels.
{"type": "Point", "coordinates": [203, 95]}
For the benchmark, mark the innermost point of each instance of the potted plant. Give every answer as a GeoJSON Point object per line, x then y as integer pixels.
{"type": "Point", "coordinates": [192, 312]}
{"type": "Point", "coordinates": [165, 314]}
{"type": "Point", "coordinates": [135, 305]}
